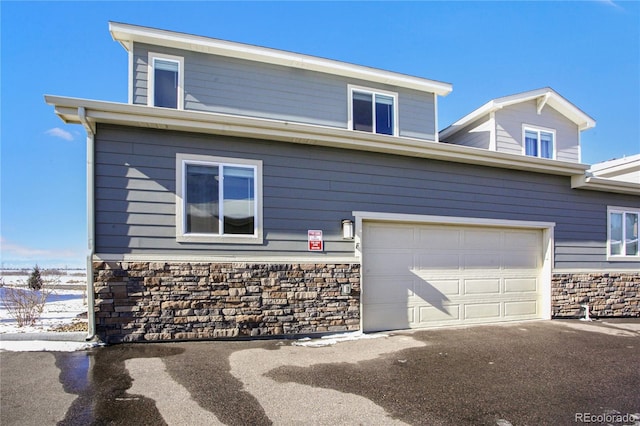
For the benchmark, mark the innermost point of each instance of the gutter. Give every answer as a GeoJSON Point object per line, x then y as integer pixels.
{"type": "Point", "coordinates": [298, 133]}
{"type": "Point", "coordinates": [593, 183]}
{"type": "Point", "coordinates": [91, 131]}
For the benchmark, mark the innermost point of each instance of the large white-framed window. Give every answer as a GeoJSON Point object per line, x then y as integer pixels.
{"type": "Point", "coordinates": [373, 110]}
{"type": "Point", "coordinates": [218, 199]}
{"type": "Point", "coordinates": [165, 81]}
{"type": "Point", "coordinates": [622, 233]}
{"type": "Point", "coordinates": [539, 142]}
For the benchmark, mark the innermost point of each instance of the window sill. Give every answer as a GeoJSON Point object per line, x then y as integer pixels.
{"type": "Point", "coordinates": [623, 258]}
{"type": "Point", "coordinates": [218, 239]}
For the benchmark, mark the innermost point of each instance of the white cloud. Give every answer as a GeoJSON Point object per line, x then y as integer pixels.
{"type": "Point", "coordinates": [19, 255]}
{"type": "Point", "coordinates": [59, 133]}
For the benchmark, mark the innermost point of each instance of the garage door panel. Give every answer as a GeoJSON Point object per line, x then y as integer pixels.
{"type": "Point", "coordinates": [388, 317]}
{"type": "Point", "coordinates": [521, 285]}
{"type": "Point", "coordinates": [389, 237]}
{"type": "Point", "coordinates": [394, 263]}
{"type": "Point", "coordinates": [521, 260]}
{"type": "Point", "coordinates": [522, 239]}
{"type": "Point", "coordinates": [482, 311]}
{"type": "Point", "coordinates": [482, 239]}
{"type": "Point", "coordinates": [436, 288]}
{"type": "Point", "coordinates": [522, 308]}
{"type": "Point", "coordinates": [448, 238]}
{"type": "Point", "coordinates": [448, 274]}
{"type": "Point", "coordinates": [486, 286]}
{"type": "Point", "coordinates": [388, 291]}
{"type": "Point", "coordinates": [438, 261]}
{"type": "Point", "coordinates": [482, 261]}
{"type": "Point", "coordinates": [429, 315]}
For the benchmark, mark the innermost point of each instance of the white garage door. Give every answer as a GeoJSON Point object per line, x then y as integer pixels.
{"type": "Point", "coordinates": [417, 276]}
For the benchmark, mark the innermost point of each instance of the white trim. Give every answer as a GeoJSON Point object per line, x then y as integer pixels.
{"type": "Point", "coordinates": [493, 132]}
{"type": "Point", "coordinates": [188, 258]}
{"type": "Point", "coordinates": [538, 130]}
{"type": "Point", "coordinates": [152, 56]}
{"type": "Point", "coordinates": [133, 33]}
{"type": "Point", "coordinates": [373, 92]}
{"type": "Point", "coordinates": [593, 183]}
{"type": "Point", "coordinates": [436, 134]}
{"type": "Point", "coordinates": [623, 211]}
{"type": "Point", "coordinates": [181, 236]}
{"type": "Point", "coordinates": [130, 76]}
{"type": "Point", "coordinates": [300, 133]}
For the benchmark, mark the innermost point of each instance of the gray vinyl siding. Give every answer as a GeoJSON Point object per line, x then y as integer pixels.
{"type": "Point", "coordinates": [233, 86]}
{"type": "Point", "coordinates": [476, 135]}
{"type": "Point", "coordinates": [307, 187]}
{"type": "Point", "coordinates": [509, 122]}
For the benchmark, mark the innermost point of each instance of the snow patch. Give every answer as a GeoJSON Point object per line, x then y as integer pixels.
{"type": "Point", "coordinates": [334, 339]}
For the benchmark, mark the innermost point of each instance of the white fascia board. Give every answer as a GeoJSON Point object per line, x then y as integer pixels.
{"type": "Point", "coordinates": [284, 131]}
{"type": "Point", "coordinates": [548, 96]}
{"type": "Point", "coordinates": [125, 33]}
{"type": "Point", "coordinates": [605, 185]}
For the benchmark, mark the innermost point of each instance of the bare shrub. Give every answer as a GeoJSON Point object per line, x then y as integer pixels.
{"type": "Point", "coordinates": [26, 305]}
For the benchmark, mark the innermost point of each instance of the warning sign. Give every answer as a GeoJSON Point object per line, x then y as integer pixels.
{"type": "Point", "coordinates": [315, 240]}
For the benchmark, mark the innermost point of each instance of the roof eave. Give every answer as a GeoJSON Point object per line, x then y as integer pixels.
{"type": "Point", "coordinates": [257, 128]}
{"type": "Point", "coordinates": [126, 33]}
{"type": "Point", "coordinates": [593, 183]}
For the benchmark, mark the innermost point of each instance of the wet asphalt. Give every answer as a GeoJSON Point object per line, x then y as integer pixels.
{"type": "Point", "coordinates": [533, 373]}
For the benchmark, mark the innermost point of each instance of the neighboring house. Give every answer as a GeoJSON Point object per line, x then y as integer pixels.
{"type": "Point", "coordinates": [246, 191]}
{"type": "Point", "coordinates": [625, 169]}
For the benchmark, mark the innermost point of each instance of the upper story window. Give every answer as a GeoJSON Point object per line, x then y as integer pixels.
{"type": "Point", "coordinates": [539, 142]}
{"type": "Point", "coordinates": [373, 111]}
{"type": "Point", "coordinates": [623, 233]}
{"type": "Point", "coordinates": [219, 199]}
{"type": "Point", "coordinates": [166, 81]}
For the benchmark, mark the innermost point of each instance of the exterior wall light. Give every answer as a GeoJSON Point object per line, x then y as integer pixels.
{"type": "Point", "coordinates": [347, 229]}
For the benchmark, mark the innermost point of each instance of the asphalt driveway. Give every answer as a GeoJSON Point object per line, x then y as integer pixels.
{"type": "Point", "coordinates": [533, 373]}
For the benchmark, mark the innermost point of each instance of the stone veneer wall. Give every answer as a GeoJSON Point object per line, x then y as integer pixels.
{"type": "Point", "coordinates": [608, 294]}
{"type": "Point", "coordinates": [155, 301]}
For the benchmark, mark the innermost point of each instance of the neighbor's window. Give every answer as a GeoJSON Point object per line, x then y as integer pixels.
{"type": "Point", "coordinates": [373, 111]}
{"type": "Point", "coordinates": [165, 81]}
{"type": "Point", "coordinates": [623, 232]}
{"type": "Point", "coordinates": [539, 143]}
{"type": "Point", "coordinates": [219, 198]}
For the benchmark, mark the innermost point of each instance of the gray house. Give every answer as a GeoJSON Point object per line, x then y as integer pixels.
{"type": "Point", "coordinates": [246, 191]}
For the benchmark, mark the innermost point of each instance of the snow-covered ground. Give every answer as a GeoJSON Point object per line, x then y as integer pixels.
{"type": "Point", "coordinates": [65, 309]}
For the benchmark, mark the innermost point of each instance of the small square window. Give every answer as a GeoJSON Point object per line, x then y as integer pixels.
{"type": "Point", "coordinates": [373, 111]}
{"type": "Point", "coordinates": [539, 142]}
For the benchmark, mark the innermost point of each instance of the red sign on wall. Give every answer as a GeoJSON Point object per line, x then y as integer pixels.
{"type": "Point", "coordinates": [315, 240]}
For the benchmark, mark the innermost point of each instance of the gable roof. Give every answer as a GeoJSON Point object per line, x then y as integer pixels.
{"type": "Point", "coordinates": [127, 34]}
{"type": "Point", "coordinates": [544, 96]}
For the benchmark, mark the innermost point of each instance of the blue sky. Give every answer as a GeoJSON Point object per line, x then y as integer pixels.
{"type": "Point", "coordinates": [587, 51]}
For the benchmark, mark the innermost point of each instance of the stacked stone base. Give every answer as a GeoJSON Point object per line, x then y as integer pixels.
{"type": "Point", "coordinates": [159, 301]}
{"type": "Point", "coordinates": [610, 294]}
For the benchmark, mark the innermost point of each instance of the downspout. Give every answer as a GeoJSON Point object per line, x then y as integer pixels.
{"type": "Point", "coordinates": [91, 131]}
